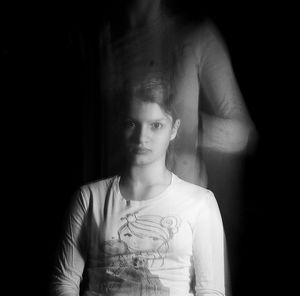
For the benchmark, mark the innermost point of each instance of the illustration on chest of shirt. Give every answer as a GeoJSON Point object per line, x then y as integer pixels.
{"type": "Point", "coordinates": [141, 246]}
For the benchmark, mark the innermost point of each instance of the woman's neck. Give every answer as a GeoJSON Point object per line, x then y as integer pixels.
{"type": "Point", "coordinates": [144, 182]}
{"type": "Point", "coordinates": [155, 173]}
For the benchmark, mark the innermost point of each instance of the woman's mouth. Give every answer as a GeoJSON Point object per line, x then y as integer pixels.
{"type": "Point", "coordinates": [139, 150]}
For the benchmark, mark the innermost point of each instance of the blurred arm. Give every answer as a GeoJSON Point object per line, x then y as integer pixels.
{"type": "Point", "coordinates": [71, 258]}
{"type": "Point", "coordinates": [228, 127]}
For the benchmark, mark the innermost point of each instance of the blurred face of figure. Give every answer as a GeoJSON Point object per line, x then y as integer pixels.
{"type": "Point", "coordinates": [148, 131]}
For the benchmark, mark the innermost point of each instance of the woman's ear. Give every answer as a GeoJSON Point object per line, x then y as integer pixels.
{"type": "Point", "coordinates": [175, 129]}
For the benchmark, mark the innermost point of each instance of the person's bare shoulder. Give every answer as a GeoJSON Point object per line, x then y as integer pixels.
{"type": "Point", "coordinates": [198, 35]}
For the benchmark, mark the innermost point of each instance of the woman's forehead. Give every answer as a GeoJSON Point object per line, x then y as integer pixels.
{"type": "Point", "coordinates": [146, 111]}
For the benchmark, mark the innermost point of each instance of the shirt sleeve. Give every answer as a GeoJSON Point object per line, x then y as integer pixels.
{"type": "Point", "coordinates": [72, 253]}
{"type": "Point", "coordinates": [208, 249]}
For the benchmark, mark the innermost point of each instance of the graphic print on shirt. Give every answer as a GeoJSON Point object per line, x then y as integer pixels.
{"type": "Point", "coordinates": [143, 242]}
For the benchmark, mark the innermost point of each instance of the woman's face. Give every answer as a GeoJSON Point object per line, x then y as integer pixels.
{"type": "Point", "coordinates": [148, 131]}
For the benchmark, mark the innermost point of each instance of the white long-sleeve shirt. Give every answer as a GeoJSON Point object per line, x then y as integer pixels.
{"type": "Point", "coordinates": [151, 247]}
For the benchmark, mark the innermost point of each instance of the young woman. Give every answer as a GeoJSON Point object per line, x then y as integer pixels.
{"type": "Point", "coordinates": [144, 231]}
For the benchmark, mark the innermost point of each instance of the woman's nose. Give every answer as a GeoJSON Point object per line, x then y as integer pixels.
{"type": "Point", "coordinates": [142, 134]}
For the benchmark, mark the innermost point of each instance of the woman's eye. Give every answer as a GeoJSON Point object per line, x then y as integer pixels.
{"type": "Point", "coordinates": [129, 124]}
{"type": "Point", "coordinates": [156, 125]}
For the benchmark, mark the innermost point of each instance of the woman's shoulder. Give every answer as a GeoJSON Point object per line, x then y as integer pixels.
{"type": "Point", "coordinates": [195, 197]}
{"type": "Point", "coordinates": [190, 190]}
{"type": "Point", "coordinates": [196, 33]}
{"type": "Point", "coordinates": [99, 186]}
{"type": "Point", "coordinates": [92, 194]}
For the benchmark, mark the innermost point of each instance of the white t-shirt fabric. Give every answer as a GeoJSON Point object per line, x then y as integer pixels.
{"type": "Point", "coordinates": [150, 247]}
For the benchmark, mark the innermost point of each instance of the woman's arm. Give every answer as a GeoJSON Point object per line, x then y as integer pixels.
{"type": "Point", "coordinates": [208, 249]}
{"type": "Point", "coordinates": [71, 257]}
{"type": "Point", "coordinates": [227, 127]}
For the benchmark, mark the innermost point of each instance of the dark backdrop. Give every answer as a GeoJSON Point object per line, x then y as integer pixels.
{"type": "Point", "coordinates": [50, 90]}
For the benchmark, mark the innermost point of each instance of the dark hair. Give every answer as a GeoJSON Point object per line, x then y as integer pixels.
{"type": "Point", "coordinates": [155, 87]}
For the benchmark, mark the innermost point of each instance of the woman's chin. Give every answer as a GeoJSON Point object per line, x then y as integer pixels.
{"type": "Point", "coordinates": [140, 162]}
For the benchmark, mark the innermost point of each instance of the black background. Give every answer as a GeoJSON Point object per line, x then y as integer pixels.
{"type": "Point", "coordinates": [46, 88]}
